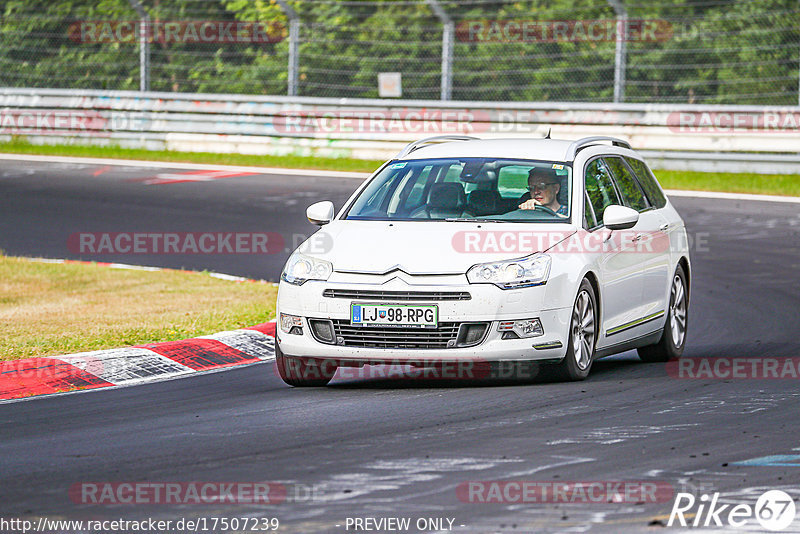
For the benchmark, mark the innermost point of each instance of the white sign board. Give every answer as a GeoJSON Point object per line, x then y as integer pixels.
{"type": "Point", "coordinates": [390, 85]}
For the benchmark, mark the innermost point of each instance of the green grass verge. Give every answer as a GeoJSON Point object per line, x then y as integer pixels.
{"type": "Point", "coordinates": [291, 162]}
{"type": "Point", "coordinates": [49, 309]}
{"type": "Point", "coordinates": [760, 184]}
{"type": "Point", "coordinates": [764, 184]}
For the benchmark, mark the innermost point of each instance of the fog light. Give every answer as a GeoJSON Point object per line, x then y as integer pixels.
{"type": "Point", "coordinates": [291, 324]}
{"type": "Point", "coordinates": [322, 330]}
{"type": "Point", "coordinates": [471, 334]}
{"type": "Point", "coordinates": [522, 328]}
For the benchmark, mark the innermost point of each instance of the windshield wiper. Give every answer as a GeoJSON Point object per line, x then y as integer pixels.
{"type": "Point", "coordinates": [465, 219]}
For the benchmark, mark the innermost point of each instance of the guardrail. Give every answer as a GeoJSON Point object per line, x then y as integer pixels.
{"type": "Point", "coordinates": [692, 137]}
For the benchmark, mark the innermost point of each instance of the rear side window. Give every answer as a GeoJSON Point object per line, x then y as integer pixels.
{"type": "Point", "coordinates": [600, 187]}
{"type": "Point", "coordinates": [627, 185]}
{"type": "Point", "coordinates": [648, 182]}
{"type": "Point", "coordinates": [512, 180]}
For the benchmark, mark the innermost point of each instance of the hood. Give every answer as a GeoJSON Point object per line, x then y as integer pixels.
{"type": "Point", "coordinates": [428, 247]}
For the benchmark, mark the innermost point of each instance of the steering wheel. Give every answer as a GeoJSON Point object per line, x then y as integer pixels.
{"type": "Point", "coordinates": [540, 207]}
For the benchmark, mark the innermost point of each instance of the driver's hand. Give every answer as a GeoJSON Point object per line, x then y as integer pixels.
{"type": "Point", "coordinates": [530, 204]}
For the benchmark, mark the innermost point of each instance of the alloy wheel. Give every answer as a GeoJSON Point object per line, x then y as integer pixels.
{"type": "Point", "coordinates": [583, 330]}
{"type": "Point", "coordinates": [677, 311]}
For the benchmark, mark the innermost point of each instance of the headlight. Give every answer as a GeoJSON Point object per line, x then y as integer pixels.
{"type": "Point", "coordinates": [511, 274]}
{"type": "Point", "coordinates": [301, 268]}
{"type": "Point", "coordinates": [291, 324]}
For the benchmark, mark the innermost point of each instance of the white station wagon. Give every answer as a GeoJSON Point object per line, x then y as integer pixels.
{"type": "Point", "coordinates": [495, 250]}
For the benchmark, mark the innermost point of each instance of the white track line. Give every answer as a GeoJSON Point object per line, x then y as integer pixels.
{"type": "Point", "coordinates": [332, 174]}
{"type": "Point", "coordinates": [177, 165]}
{"type": "Point", "coordinates": [221, 276]}
{"type": "Point", "coordinates": [732, 196]}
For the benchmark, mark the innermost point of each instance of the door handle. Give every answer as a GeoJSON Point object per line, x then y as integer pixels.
{"type": "Point", "coordinates": [664, 227]}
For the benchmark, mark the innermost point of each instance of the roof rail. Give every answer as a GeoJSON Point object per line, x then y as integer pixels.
{"type": "Point", "coordinates": [576, 146]}
{"type": "Point", "coordinates": [411, 147]}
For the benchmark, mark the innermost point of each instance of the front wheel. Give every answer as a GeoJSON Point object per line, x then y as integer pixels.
{"type": "Point", "coordinates": [673, 339]}
{"type": "Point", "coordinates": [582, 336]}
{"type": "Point", "coordinates": [303, 372]}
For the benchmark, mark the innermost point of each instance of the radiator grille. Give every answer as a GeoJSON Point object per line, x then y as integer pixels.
{"type": "Point", "coordinates": [396, 338]}
{"type": "Point", "coordinates": [395, 296]}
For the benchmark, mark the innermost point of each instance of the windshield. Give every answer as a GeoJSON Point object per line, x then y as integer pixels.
{"type": "Point", "coordinates": [467, 189]}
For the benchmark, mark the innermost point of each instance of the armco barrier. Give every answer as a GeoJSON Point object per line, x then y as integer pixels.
{"type": "Point", "coordinates": [694, 137]}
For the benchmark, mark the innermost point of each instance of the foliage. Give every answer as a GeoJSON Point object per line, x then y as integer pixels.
{"type": "Point", "coordinates": [723, 51]}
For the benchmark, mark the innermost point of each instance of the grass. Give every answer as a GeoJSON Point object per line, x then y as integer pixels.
{"type": "Point", "coordinates": [49, 309]}
{"type": "Point", "coordinates": [19, 146]}
{"type": "Point", "coordinates": [762, 184]}
{"type": "Point", "coordinates": [765, 184]}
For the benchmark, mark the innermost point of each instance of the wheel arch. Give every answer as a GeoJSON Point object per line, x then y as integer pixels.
{"type": "Point", "coordinates": [595, 283]}
{"type": "Point", "coordinates": [684, 262]}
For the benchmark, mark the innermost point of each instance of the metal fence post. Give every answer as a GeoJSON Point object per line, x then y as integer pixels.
{"type": "Point", "coordinates": [144, 45]}
{"type": "Point", "coordinates": [294, 48]}
{"type": "Point", "coordinates": [621, 50]}
{"type": "Point", "coordinates": [448, 34]}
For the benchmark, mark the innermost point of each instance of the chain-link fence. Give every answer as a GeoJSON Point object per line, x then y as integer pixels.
{"type": "Point", "coordinates": [699, 51]}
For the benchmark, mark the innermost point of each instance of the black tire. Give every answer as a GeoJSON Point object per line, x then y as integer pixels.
{"type": "Point", "coordinates": [577, 363]}
{"type": "Point", "coordinates": [671, 345]}
{"type": "Point", "coordinates": [303, 372]}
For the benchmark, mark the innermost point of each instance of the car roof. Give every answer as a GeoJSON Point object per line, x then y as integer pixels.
{"type": "Point", "coordinates": [511, 148]}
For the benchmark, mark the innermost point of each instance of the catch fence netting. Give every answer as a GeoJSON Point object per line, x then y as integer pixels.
{"type": "Point", "coordinates": [701, 52]}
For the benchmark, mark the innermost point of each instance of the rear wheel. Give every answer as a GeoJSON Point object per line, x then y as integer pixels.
{"type": "Point", "coordinates": [303, 372]}
{"type": "Point", "coordinates": [673, 338]}
{"type": "Point", "coordinates": [582, 336]}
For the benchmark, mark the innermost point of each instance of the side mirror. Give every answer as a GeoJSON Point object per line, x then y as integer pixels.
{"type": "Point", "coordinates": [620, 217]}
{"type": "Point", "coordinates": [320, 213]}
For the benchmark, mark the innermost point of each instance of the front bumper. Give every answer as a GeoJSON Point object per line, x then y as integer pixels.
{"type": "Point", "coordinates": [488, 303]}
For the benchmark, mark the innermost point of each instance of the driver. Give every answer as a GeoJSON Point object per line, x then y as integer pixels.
{"type": "Point", "coordinates": [543, 189]}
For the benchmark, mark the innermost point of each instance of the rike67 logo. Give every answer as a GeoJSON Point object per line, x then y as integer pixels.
{"type": "Point", "coordinates": [774, 510]}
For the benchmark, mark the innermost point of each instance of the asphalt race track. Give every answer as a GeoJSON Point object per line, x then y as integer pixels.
{"type": "Point", "coordinates": [377, 448]}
